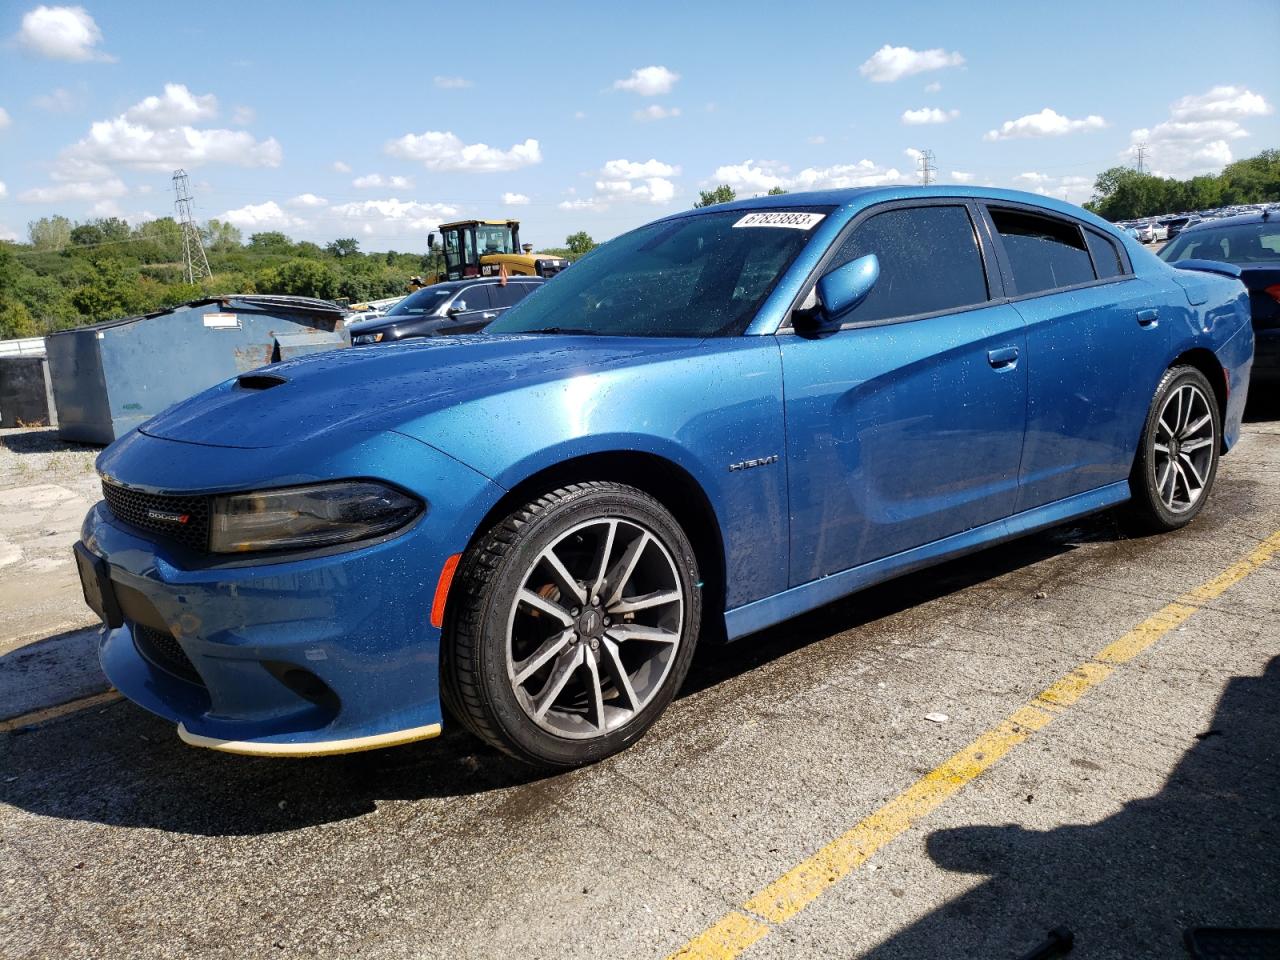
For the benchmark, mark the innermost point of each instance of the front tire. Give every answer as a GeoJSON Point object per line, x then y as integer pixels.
{"type": "Point", "coordinates": [572, 625]}
{"type": "Point", "coordinates": [1178, 457]}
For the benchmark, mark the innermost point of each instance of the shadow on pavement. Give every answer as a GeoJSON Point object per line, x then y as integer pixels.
{"type": "Point", "coordinates": [1204, 851]}
{"type": "Point", "coordinates": [40, 440]}
{"type": "Point", "coordinates": [119, 765]}
{"type": "Point", "coordinates": [1264, 402]}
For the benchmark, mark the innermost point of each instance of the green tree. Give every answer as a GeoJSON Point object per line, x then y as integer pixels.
{"type": "Point", "coordinates": [102, 230]}
{"type": "Point", "coordinates": [222, 237]}
{"type": "Point", "coordinates": [343, 247]}
{"type": "Point", "coordinates": [776, 191]}
{"type": "Point", "coordinates": [270, 241]}
{"type": "Point", "coordinates": [721, 194]}
{"type": "Point", "coordinates": [300, 278]}
{"type": "Point", "coordinates": [49, 233]}
{"type": "Point", "coordinates": [579, 243]}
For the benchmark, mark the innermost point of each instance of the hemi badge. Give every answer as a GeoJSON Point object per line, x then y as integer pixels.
{"type": "Point", "coordinates": [758, 462]}
{"type": "Point", "coordinates": [168, 516]}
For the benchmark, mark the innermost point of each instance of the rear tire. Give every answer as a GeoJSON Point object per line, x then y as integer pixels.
{"type": "Point", "coordinates": [571, 625]}
{"type": "Point", "coordinates": [1177, 459]}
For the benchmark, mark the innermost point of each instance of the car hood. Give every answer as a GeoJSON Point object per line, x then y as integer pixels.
{"type": "Point", "coordinates": [364, 389]}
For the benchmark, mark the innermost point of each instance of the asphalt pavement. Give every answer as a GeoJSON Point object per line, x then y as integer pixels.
{"type": "Point", "coordinates": [1078, 730]}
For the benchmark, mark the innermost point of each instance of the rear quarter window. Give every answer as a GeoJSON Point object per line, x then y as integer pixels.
{"type": "Point", "coordinates": [1106, 255]}
{"type": "Point", "coordinates": [1044, 253]}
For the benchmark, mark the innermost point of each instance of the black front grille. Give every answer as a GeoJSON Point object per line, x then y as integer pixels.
{"type": "Point", "coordinates": [183, 520]}
{"type": "Point", "coordinates": [163, 650]}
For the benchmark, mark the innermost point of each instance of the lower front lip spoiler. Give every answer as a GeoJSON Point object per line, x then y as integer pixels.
{"type": "Point", "coordinates": [315, 748]}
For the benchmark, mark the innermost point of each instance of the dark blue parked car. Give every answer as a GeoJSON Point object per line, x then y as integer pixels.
{"type": "Point", "coordinates": [710, 424]}
{"type": "Point", "coordinates": [1251, 242]}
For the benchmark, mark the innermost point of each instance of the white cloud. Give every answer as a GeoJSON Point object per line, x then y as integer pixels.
{"type": "Point", "coordinates": [648, 81]}
{"type": "Point", "coordinates": [452, 83]}
{"type": "Point", "coordinates": [5, 120]}
{"type": "Point", "coordinates": [631, 181]}
{"type": "Point", "coordinates": [928, 115]}
{"type": "Point", "coordinates": [818, 140]}
{"type": "Point", "coordinates": [579, 115]}
{"type": "Point", "coordinates": [515, 199]}
{"type": "Point", "coordinates": [633, 170]}
{"type": "Point", "coordinates": [1046, 123]}
{"type": "Point", "coordinates": [340, 167]}
{"type": "Point", "coordinates": [1033, 177]}
{"type": "Point", "coordinates": [933, 87]}
{"type": "Point", "coordinates": [308, 200]}
{"type": "Point", "coordinates": [7, 234]}
{"type": "Point", "coordinates": [58, 100]}
{"type": "Point", "coordinates": [4, 191]}
{"type": "Point", "coordinates": [754, 177]}
{"type": "Point", "coordinates": [393, 216]}
{"type": "Point", "coordinates": [1220, 103]}
{"type": "Point", "coordinates": [156, 134]}
{"type": "Point", "coordinates": [62, 33]}
{"type": "Point", "coordinates": [242, 116]}
{"type": "Point", "coordinates": [913, 153]}
{"type": "Point", "coordinates": [655, 111]}
{"type": "Point", "coordinates": [1196, 137]}
{"type": "Point", "coordinates": [445, 152]}
{"type": "Point", "coordinates": [891, 63]}
{"type": "Point", "coordinates": [176, 107]}
{"type": "Point", "coordinates": [378, 180]}
{"type": "Point", "coordinates": [960, 176]}
{"type": "Point", "coordinates": [86, 191]}
{"type": "Point", "coordinates": [261, 216]}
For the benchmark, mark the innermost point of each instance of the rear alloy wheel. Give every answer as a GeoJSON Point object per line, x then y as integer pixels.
{"type": "Point", "coordinates": [1178, 461]}
{"type": "Point", "coordinates": [576, 627]}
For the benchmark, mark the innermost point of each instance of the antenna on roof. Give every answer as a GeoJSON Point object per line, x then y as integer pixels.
{"type": "Point", "coordinates": [193, 256]}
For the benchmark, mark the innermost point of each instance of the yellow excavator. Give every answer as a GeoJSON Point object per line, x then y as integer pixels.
{"type": "Point", "coordinates": [481, 248]}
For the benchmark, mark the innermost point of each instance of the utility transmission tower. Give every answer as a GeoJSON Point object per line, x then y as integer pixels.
{"type": "Point", "coordinates": [928, 169]}
{"type": "Point", "coordinates": [1142, 156]}
{"type": "Point", "coordinates": [193, 255]}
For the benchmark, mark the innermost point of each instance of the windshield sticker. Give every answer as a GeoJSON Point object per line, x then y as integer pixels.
{"type": "Point", "coordinates": [781, 218]}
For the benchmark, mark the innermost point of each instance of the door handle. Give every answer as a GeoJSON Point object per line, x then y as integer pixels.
{"type": "Point", "coordinates": [1149, 317]}
{"type": "Point", "coordinates": [488, 316]}
{"type": "Point", "coordinates": [1004, 358]}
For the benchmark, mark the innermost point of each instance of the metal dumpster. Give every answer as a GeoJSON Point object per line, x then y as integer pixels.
{"type": "Point", "coordinates": [110, 377]}
{"type": "Point", "coordinates": [25, 396]}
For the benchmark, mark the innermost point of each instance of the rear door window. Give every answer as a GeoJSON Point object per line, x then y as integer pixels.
{"type": "Point", "coordinates": [1044, 253]}
{"type": "Point", "coordinates": [929, 262]}
{"type": "Point", "coordinates": [475, 297]}
{"type": "Point", "coordinates": [509, 295]}
{"type": "Point", "coordinates": [1106, 255]}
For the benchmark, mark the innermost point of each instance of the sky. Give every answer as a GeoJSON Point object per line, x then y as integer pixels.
{"type": "Point", "coordinates": [380, 120]}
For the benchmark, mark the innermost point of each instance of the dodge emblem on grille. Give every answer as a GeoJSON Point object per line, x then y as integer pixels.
{"type": "Point", "coordinates": [168, 516]}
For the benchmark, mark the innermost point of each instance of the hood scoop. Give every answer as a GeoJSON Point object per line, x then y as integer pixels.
{"type": "Point", "coordinates": [259, 381]}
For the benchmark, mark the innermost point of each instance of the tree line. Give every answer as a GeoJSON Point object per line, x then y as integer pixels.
{"type": "Point", "coordinates": [72, 273]}
{"type": "Point", "coordinates": [1122, 193]}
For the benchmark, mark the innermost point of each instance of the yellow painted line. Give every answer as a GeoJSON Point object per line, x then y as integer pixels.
{"type": "Point", "coordinates": [786, 896]}
{"type": "Point", "coordinates": [61, 710]}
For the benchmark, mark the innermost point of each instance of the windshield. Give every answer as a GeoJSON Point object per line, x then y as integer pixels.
{"type": "Point", "coordinates": [491, 239]}
{"type": "Point", "coordinates": [1241, 243]}
{"type": "Point", "coordinates": [420, 303]}
{"type": "Point", "coordinates": [698, 276]}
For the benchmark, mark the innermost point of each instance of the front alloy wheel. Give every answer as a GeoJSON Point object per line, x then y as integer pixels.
{"type": "Point", "coordinates": [572, 625]}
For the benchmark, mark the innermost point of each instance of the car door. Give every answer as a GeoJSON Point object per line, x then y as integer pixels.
{"type": "Point", "coordinates": [1093, 351]}
{"type": "Point", "coordinates": [905, 426]}
{"type": "Point", "coordinates": [479, 312]}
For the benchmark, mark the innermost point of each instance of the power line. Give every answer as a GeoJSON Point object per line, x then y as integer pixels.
{"type": "Point", "coordinates": [193, 254]}
{"type": "Point", "coordinates": [1142, 156]}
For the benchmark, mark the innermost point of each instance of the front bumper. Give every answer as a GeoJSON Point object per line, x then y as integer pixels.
{"type": "Point", "coordinates": [321, 654]}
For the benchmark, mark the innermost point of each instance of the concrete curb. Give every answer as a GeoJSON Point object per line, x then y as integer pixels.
{"type": "Point", "coordinates": [50, 672]}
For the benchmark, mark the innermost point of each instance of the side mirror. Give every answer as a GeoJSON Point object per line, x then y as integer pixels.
{"type": "Point", "coordinates": [835, 295]}
{"type": "Point", "coordinates": [458, 306]}
{"type": "Point", "coordinates": [431, 241]}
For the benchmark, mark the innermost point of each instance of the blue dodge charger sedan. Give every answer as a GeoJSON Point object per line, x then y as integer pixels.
{"type": "Point", "coordinates": [710, 424]}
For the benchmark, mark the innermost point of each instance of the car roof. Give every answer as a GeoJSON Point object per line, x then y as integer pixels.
{"type": "Point", "coordinates": [1257, 216]}
{"type": "Point", "coordinates": [865, 196]}
{"type": "Point", "coordinates": [450, 285]}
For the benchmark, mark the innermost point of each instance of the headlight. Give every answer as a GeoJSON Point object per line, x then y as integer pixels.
{"type": "Point", "coordinates": [362, 338]}
{"type": "Point", "coordinates": [313, 516]}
